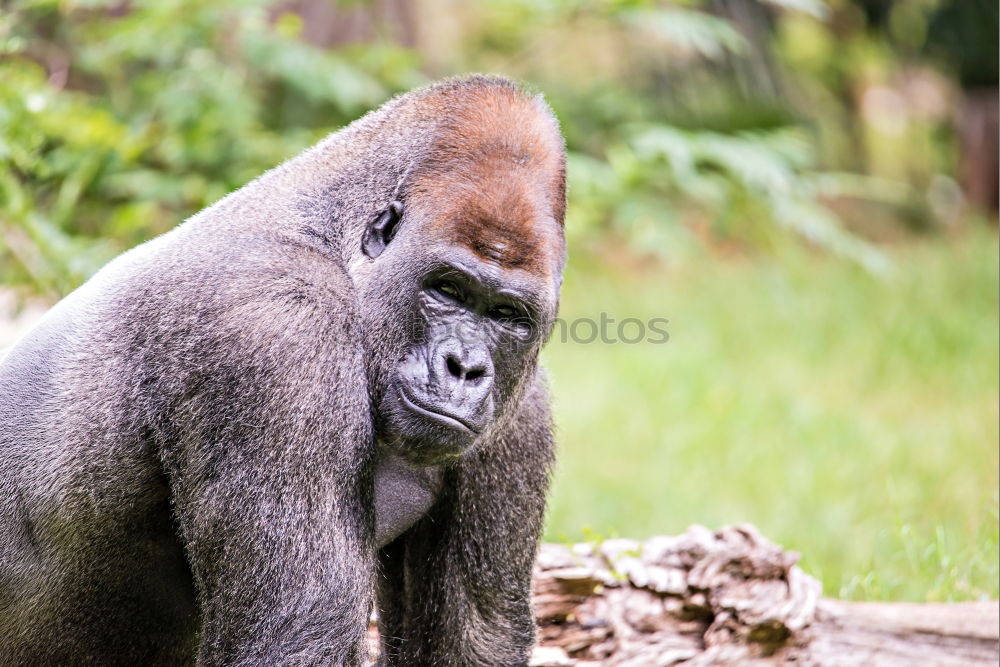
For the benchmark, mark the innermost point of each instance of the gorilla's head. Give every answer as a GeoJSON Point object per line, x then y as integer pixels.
{"type": "Point", "coordinates": [462, 278]}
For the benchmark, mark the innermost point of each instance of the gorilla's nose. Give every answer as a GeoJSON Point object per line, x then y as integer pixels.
{"type": "Point", "coordinates": [467, 367]}
{"type": "Point", "coordinates": [465, 370]}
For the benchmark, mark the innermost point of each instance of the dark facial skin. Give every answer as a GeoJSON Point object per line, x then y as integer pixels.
{"type": "Point", "coordinates": [473, 329]}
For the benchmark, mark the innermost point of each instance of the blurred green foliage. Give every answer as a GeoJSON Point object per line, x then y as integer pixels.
{"type": "Point", "coordinates": [156, 112]}
{"type": "Point", "coordinates": [684, 121]}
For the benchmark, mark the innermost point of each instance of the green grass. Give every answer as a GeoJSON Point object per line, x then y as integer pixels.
{"type": "Point", "coordinates": [851, 418]}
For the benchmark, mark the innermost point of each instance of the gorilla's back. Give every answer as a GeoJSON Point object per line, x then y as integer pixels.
{"type": "Point", "coordinates": [89, 543]}
{"type": "Point", "coordinates": [86, 535]}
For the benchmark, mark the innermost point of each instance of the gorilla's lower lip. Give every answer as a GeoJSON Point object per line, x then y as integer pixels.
{"type": "Point", "coordinates": [436, 414]}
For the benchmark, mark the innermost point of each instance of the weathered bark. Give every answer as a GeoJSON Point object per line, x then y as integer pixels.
{"type": "Point", "coordinates": [732, 597]}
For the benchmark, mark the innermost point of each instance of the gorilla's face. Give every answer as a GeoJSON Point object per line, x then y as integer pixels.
{"type": "Point", "coordinates": [474, 336]}
{"type": "Point", "coordinates": [461, 324]}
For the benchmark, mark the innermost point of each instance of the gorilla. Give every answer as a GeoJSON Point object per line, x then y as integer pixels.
{"type": "Point", "coordinates": [319, 396]}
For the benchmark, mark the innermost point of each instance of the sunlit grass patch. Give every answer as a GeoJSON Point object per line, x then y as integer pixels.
{"type": "Point", "coordinates": [852, 418]}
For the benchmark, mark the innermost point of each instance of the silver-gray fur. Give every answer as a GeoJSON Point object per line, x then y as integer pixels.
{"type": "Point", "coordinates": [189, 441]}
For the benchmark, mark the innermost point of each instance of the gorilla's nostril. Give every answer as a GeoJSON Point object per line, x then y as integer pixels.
{"type": "Point", "coordinates": [460, 372]}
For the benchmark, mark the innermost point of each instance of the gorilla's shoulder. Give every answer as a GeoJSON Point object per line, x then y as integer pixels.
{"type": "Point", "coordinates": [193, 293]}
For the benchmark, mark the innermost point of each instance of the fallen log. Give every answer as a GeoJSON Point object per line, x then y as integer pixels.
{"type": "Point", "coordinates": [732, 597]}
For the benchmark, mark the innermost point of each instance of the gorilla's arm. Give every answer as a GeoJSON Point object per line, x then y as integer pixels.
{"type": "Point", "coordinates": [455, 589]}
{"type": "Point", "coordinates": [267, 452]}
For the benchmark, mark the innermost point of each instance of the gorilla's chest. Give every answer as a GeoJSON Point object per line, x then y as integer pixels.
{"type": "Point", "coordinates": [403, 494]}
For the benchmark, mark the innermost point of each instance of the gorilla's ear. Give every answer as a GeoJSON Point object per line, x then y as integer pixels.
{"type": "Point", "coordinates": [380, 232]}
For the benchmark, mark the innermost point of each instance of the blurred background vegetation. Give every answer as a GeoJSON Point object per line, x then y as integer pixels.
{"type": "Point", "coordinates": [807, 190]}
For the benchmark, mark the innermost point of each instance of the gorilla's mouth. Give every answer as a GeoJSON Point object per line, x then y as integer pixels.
{"type": "Point", "coordinates": [437, 414]}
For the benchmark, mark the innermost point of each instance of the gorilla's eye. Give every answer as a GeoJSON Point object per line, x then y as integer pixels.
{"type": "Point", "coordinates": [503, 312]}
{"type": "Point", "coordinates": [449, 289]}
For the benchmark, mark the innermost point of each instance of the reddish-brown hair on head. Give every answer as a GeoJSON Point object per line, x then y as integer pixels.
{"type": "Point", "coordinates": [495, 174]}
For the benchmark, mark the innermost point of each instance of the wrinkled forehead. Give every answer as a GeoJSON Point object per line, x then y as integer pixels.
{"type": "Point", "coordinates": [495, 181]}
{"type": "Point", "coordinates": [499, 214]}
